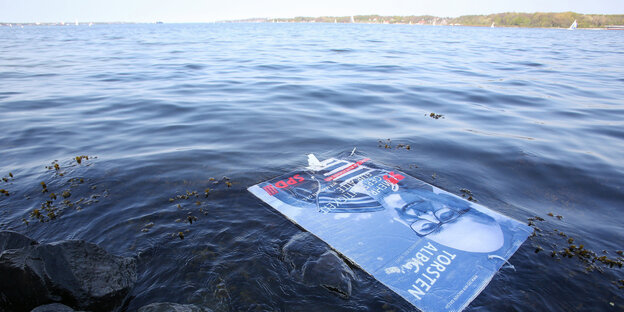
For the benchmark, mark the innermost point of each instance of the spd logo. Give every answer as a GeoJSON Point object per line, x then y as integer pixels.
{"type": "Point", "coordinates": [272, 190]}
{"type": "Point", "coordinates": [393, 178]}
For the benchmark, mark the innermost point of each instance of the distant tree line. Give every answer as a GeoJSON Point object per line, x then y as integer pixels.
{"type": "Point", "coordinates": [423, 19]}
{"type": "Point", "coordinates": [562, 20]}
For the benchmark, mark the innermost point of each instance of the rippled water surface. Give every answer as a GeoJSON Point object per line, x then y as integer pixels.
{"type": "Point", "coordinates": [533, 123]}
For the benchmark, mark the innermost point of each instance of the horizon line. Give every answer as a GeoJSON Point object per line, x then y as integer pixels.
{"type": "Point", "coordinates": [268, 18]}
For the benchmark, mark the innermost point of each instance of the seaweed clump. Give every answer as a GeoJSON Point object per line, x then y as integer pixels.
{"type": "Point", "coordinates": [387, 144]}
{"type": "Point", "coordinates": [589, 258]}
{"type": "Point", "coordinates": [57, 201]}
{"type": "Point", "coordinates": [436, 116]}
{"type": "Point", "coordinates": [6, 179]}
{"type": "Point", "coordinates": [187, 201]}
{"type": "Point", "coordinates": [467, 192]}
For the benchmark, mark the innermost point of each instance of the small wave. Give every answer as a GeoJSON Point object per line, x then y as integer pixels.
{"type": "Point", "coordinates": [342, 50]}
{"type": "Point", "coordinates": [194, 66]}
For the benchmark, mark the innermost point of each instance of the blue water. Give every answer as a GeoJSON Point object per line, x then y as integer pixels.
{"type": "Point", "coordinates": [533, 123]}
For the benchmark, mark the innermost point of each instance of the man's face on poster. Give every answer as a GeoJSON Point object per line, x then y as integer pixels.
{"type": "Point", "coordinates": [444, 219]}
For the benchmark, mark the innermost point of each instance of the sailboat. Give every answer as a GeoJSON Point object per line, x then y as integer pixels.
{"type": "Point", "coordinates": [352, 19]}
{"type": "Point", "coordinates": [573, 26]}
{"type": "Point", "coordinates": [492, 26]}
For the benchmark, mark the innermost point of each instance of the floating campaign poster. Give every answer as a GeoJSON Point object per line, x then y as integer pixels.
{"type": "Point", "coordinates": [435, 249]}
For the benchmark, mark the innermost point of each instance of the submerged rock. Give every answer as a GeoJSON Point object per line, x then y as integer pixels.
{"type": "Point", "coordinates": [14, 240]}
{"type": "Point", "coordinates": [315, 264]}
{"type": "Point", "coordinates": [53, 307]}
{"type": "Point", "coordinates": [79, 274]}
{"type": "Point", "coordinates": [172, 307]}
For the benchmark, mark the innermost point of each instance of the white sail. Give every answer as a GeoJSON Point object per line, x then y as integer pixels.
{"type": "Point", "coordinates": [492, 25]}
{"type": "Point", "coordinates": [573, 26]}
{"type": "Point", "coordinates": [352, 19]}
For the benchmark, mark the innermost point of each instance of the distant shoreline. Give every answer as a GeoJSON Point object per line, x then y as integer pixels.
{"type": "Point", "coordinates": [561, 20]}
{"type": "Point", "coordinates": [510, 19]}
{"type": "Point", "coordinates": [250, 22]}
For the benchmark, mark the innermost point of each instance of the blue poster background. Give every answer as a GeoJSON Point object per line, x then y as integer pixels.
{"type": "Point", "coordinates": [435, 249]}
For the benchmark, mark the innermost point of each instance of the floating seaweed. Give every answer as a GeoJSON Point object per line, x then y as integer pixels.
{"type": "Point", "coordinates": [385, 144]}
{"type": "Point", "coordinates": [147, 227]}
{"type": "Point", "coordinates": [590, 259]}
{"type": "Point", "coordinates": [555, 216]}
{"type": "Point", "coordinates": [80, 158]}
{"type": "Point", "coordinates": [436, 116]}
{"type": "Point", "coordinates": [66, 194]}
{"type": "Point", "coordinates": [184, 201]}
{"type": "Point", "coordinates": [467, 192]}
{"type": "Point", "coordinates": [405, 146]}
{"type": "Point", "coordinates": [9, 178]}
{"type": "Point", "coordinates": [179, 234]}
{"type": "Point", "coordinates": [51, 208]}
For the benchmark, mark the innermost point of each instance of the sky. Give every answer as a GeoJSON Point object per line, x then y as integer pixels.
{"type": "Point", "coordinates": [177, 11]}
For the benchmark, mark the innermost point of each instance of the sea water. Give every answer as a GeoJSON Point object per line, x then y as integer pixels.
{"type": "Point", "coordinates": [179, 119]}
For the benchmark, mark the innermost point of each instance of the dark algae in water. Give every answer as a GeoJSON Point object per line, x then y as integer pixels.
{"type": "Point", "coordinates": [54, 203]}
{"type": "Point", "coordinates": [80, 158]}
{"type": "Point", "coordinates": [191, 202]}
{"type": "Point", "coordinates": [436, 116]}
{"type": "Point", "coordinates": [589, 259]}
{"type": "Point", "coordinates": [388, 145]}
{"type": "Point", "coordinates": [7, 179]}
{"type": "Point", "coordinates": [466, 193]}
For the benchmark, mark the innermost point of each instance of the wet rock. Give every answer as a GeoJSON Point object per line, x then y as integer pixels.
{"type": "Point", "coordinates": [53, 307]}
{"type": "Point", "coordinates": [315, 264]}
{"type": "Point", "coordinates": [76, 273]}
{"type": "Point", "coordinates": [172, 307]}
{"type": "Point", "coordinates": [331, 272]}
{"type": "Point", "coordinates": [14, 240]}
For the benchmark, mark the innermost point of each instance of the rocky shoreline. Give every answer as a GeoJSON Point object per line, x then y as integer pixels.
{"type": "Point", "coordinates": [65, 276]}
{"type": "Point", "coordinates": [74, 275]}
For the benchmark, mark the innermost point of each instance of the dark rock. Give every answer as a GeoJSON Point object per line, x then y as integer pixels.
{"type": "Point", "coordinates": [53, 307]}
{"type": "Point", "coordinates": [315, 264]}
{"type": "Point", "coordinates": [172, 307]}
{"type": "Point", "coordinates": [76, 273]}
{"type": "Point", "coordinates": [14, 240]}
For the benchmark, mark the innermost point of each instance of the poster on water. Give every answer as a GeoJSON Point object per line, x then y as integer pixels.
{"type": "Point", "coordinates": [435, 249]}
